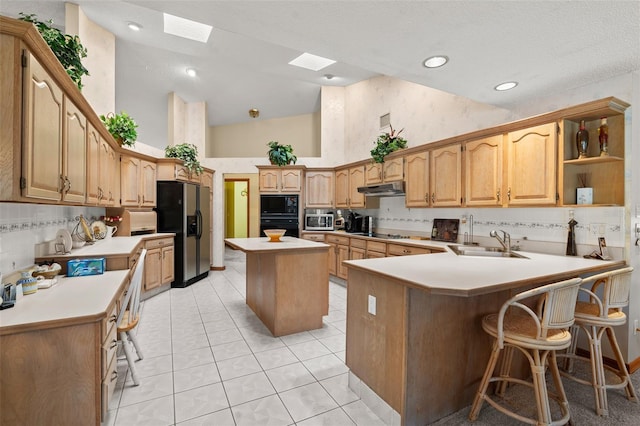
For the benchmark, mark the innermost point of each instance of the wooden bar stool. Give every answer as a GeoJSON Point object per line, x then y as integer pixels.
{"type": "Point", "coordinates": [595, 317]}
{"type": "Point", "coordinates": [538, 334]}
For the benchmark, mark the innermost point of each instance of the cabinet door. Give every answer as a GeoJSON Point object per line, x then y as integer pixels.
{"type": "Point", "coordinates": [343, 254]}
{"type": "Point", "coordinates": [113, 183]}
{"type": "Point", "coordinates": [107, 169]}
{"type": "Point", "coordinates": [291, 180]}
{"type": "Point", "coordinates": [319, 189]}
{"type": "Point", "coordinates": [356, 179]}
{"type": "Point", "coordinates": [532, 166]}
{"type": "Point", "coordinates": [342, 188]}
{"type": "Point", "coordinates": [129, 173]}
{"type": "Point", "coordinates": [333, 259]}
{"type": "Point", "coordinates": [393, 170]}
{"type": "Point", "coordinates": [167, 264]}
{"type": "Point", "coordinates": [93, 165]}
{"type": "Point", "coordinates": [373, 173]}
{"type": "Point", "coordinates": [147, 183]}
{"type": "Point", "coordinates": [483, 172]}
{"type": "Point", "coordinates": [417, 183]}
{"type": "Point", "coordinates": [207, 180]}
{"type": "Point", "coordinates": [42, 167]}
{"type": "Point", "coordinates": [357, 253]}
{"type": "Point", "coordinates": [153, 269]}
{"type": "Point", "coordinates": [269, 180]}
{"type": "Point", "coordinates": [446, 176]}
{"type": "Point", "coordinates": [74, 154]}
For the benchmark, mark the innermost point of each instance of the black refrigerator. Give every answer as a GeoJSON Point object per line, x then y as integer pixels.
{"type": "Point", "coordinates": [185, 209]}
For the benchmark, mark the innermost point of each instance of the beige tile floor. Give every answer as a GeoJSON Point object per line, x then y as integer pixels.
{"type": "Point", "coordinates": [210, 361]}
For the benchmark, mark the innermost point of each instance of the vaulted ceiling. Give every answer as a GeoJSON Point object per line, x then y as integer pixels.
{"type": "Point", "coordinates": [546, 46]}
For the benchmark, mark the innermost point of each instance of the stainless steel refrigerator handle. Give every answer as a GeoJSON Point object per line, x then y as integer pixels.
{"type": "Point", "coordinates": [199, 224]}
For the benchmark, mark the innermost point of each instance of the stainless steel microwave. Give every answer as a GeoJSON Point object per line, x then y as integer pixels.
{"type": "Point", "coordinates": [318, 222]}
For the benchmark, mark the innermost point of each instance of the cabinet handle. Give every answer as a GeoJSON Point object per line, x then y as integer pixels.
{"type": "Point", "coordinates": [426, 197]}
{"type": "Point", "coordinates": [498, 194]}
{"type": "Point", "coordinates": [433, 197]}
{"type": "Point", "coordinates": [114, 343]}
{"type": "Point", "coordinates": [114, 375]}
{"type": "Point", "coordinates": [509, 194]}
{"type": "Point", "coordinates": [110, 196]}
{"type": "Point", "coordinates": [113, 318]}
{"type": "Point", "coordinates": [406, 251]}
{"type": "Point", "coordinates": [62, 184]}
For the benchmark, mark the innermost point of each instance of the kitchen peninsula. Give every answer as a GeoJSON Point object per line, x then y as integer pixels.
{"type": "Point", "coordinates": [414, 333]}
{"type": "Point", "coordinates": [287, 282]}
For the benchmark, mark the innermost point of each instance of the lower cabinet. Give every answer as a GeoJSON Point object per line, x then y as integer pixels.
{"type": "Point", "coordinates": [338, 252]}
{"type": "Point", "coordinates": [158, 264]}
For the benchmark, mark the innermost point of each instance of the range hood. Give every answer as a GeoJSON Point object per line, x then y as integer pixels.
{"type": "Point", "coordinates": [389, 189]}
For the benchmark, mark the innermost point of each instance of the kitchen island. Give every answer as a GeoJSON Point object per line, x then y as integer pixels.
{"type": "Point", "coordinates": [287, 284]}
{"type": "Point", "coordinates": [414, 334]}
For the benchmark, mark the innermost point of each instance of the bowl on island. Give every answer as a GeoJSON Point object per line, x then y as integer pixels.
{"type": "Point", "coordinates": [274, 234]}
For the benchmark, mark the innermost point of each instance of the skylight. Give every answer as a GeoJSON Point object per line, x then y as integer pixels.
{"type": "Point", "coordinates": [311, 62]}
{"type": "Point", "coordinates": [186, 28]}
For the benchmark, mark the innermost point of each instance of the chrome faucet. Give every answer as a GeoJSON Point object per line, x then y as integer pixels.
{"type": "Point", "coordinates": [505, 241]}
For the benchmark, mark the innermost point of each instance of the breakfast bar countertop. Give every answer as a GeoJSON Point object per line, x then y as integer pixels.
{"type": "Point", "coordinates": [262, 244]}
{"type": "Point", "coordinates": [450, 274]}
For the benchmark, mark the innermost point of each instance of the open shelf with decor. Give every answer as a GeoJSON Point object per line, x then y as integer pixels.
{"type": "Point", "coordinates": [603, 173]}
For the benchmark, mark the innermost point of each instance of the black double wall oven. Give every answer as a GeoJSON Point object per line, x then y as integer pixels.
{"type": "Point", "coordinates": [280, 211]}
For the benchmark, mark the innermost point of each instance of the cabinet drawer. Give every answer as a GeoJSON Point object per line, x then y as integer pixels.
{"type": "Point", "coordinates": [109, 347]}
{"type": "Point", "coordinates": [376, 246]}
{"type": "Point", "coordinates": [109, 322]}
{"type": "Point", "coordinates": [402, 250]}
{"type": "Point", "coordinates": [159, 242]}
{"type": "Point", "coordinates": [314, 237]}
{"type": "Point", "coordinates": [109, 386]}
{"type": "Point", "coordinates": [337, 239]}
{"type": "Point", "coordinates": [358, 243]}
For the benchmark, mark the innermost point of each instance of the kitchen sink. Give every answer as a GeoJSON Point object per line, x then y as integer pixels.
{"type": "Point", "coordinates": [481, 251]}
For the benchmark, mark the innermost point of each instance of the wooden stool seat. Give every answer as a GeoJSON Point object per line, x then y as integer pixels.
{"type": "Point", "coordinates": [537, 333]}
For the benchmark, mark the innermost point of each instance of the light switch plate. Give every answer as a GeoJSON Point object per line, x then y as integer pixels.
{"type": "Point", "coordinates": [372, 305]}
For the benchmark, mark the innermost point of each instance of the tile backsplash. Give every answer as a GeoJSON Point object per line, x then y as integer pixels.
{"type": "Point", "coordinates": [22, 226]}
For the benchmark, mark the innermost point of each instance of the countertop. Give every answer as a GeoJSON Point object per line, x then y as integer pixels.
{"type": "Point", "coordinates": [441, 245]}
{"type": "Point", "coordinates": [70, 301]}
{"type": "Point", "coordinates": [113, 246]}
{"type": "Point", "coordinates": [449, 274]}
{"type": "Point", "coordinates": [263, 245]}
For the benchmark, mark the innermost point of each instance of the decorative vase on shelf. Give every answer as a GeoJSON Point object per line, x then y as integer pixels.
{"type": "Point", "coordinates": [582, 141]}
{"type": "Point", "coordinates": [603, 137]}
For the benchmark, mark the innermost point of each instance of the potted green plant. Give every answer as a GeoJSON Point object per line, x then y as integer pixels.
{"type": "Point", "coordinates": [386, 144]}
{"type": "Point", "coordinates": [280, 155]}
{"type": "Point", "coordinates": [186, 152]}
{"type": "Point", "coordinates": [122, 127]}
{"type": "Point", "coordinates": [67, 48]}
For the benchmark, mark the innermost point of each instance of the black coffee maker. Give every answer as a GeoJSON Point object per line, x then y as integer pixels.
{"type": "Point", "coordinates": [353, 223]}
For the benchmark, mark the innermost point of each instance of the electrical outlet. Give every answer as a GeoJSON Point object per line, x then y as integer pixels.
{"type": "Point", "coordinates": [372, 305]}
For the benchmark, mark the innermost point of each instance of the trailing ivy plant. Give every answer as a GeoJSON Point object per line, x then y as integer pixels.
{"type": "Point", "coordinates": [67, 48]}
{"type": "Point", "coordinates": [281, 155]}
{"type": "Point", "coordinates": [122, 127]}
{"type": "Point", "coordinates": [386, 144]}
{"type": "Point", "coordinates": [186, 152]}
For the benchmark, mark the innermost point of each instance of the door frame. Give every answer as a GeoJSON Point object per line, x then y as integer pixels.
{"type": "Point", "coordinates": [247, 181]}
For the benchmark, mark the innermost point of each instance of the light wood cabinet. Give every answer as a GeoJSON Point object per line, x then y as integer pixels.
{"type": "Point", "coordinates": [605, 174]}
{"type": "Point", "coordinates": [376, 249]}
{"type": "Point", "coordinates": [347, 182]}
{"type": "Point", "coordinates": [74, 154]}
{"type": "Point", "coordinates": [389, 171]}
{"type": "Point", "coordinates": [43, 122]}
{"type": "Point", "coordinates": [286, 179]}
{"type": "Point", "coordinates": [446, 176]}
{"type": "Point", "coordinates": [159, 263]}
{"type": "Point", "coordinates": [338, 252]}
{"type": "Point", "coordinates": [483, 166]}
{"type": "Point", "coordinates": [405, 250]}
{"type": "Point", "coordinates": [319, 237]}
{"type": "Point", "coordinates": [417, 180]}
{"type": "Point", "coordinates": [138, 182]}
{"type": "Point", "coordinates": [531, 169]}
{"type": "Point", "coordinates": [319, 188]}
{"type": "Point", "coordinates": [109, 174]}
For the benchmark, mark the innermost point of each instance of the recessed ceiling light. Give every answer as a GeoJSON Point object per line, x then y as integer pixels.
{"type": "Point", "coordinates": [435, 61]}
{"type": "Point", "coordinates": [506, 86]}
{"type": "Point", "coordinates": [186, 28]}
{"type": "Point", "coordinates": [134, 26]}
{"type": "Point", "coordinates": [191, 72]}
{"type": "Point", "coordinates": [311, 62]}
{"type": "Point", "coordinates": [329, 76]}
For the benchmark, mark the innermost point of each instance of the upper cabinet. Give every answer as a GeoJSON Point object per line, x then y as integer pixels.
{"type": "Point", "coordinates": [319, 188]}
{"type": "Point", "coordinates": [531, 168]}
{"type": "Point", "coordinates": [74, 154]}
{"type": "Point", "coordinates": [445, 176]}
{"type": "Point", "coordinates": [347, 182]}
{"type": "Point", "coordinates": [603, 173]}
{"type": "Point", "coordinates": [287, 179]}
{"type": "Point", "coordinates": [138, 182]}
{"type": "Point", "coordinates": [390, 170]}
{"type": "Point", "coordinates": [483, 166]}
{"type": "Point", "coordinates": [417, 180]}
